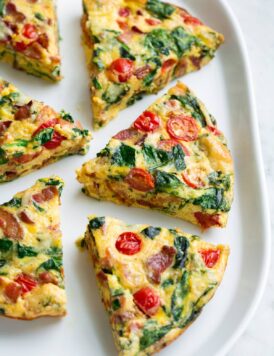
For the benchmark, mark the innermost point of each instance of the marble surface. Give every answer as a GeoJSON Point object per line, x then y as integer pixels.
{"type": "Point", "coordinates": [256, 19]}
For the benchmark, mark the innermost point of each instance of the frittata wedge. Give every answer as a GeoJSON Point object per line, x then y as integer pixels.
{"type": "Point", "coordinates": [173, 159]}
{"type": "Point", "coordinates": [154, 281]}
{"type": "Point", "coordinates": [136, 47]}
{"type": "Point", "coordinates": [33, 135]}
{"type": "Point", "coordinates": [31, 272]}
{"type": "Point", "coordinates": [29, 37]}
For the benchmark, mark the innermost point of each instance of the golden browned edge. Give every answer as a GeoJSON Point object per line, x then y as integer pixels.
{"type": "Point", "coordinates": [35, 317]}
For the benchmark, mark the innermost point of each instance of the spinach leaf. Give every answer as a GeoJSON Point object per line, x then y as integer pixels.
{"type": "Point", "coordinates": [166, 181]}
{"type": "Point", "coordinates": [55, 252]}
{"type": "Point", "coordinates": [155, 157]}
{"type": "Point", "coordinates": [5, 245]}
{"type": "Point", "coordinates": [8, 99]}
{"type": "Point", "coordinates": [160, 9]}
{"type": "Point", "coordinates": [38, 207]}
{"type": "Point", "coordinates": [190, 102]}
{"type": "Point", "coordinates": [96, 83]}
{"type": "Point", "coordinates": [218, 179]}
{"type": "Point", "coordinates": [14, 202]}
{"type": "Point", "coordinates": [134, 98]}
{"type": "Point", "coordinates": [116, 292]}
{"type": "Point", "coordinates": [179, 157]}
{"type": "Point", "coordinates": [177, 299]}
{"type": "Point", "coordinates": [115, 93]}
{"type": "Point", "coordinates": [183, 40]}
{"type": "Point", "coordinates": [19, 143]}
{"type": "Point", "coordinates": [2, 5]}
{"type": "Point", "coordinates": [3, 157]}
{"type": "Point", "coordinates": [79, 132]}
{"type": "Point", "coordinates": [154, 63]}
{"type": "Point", "coordinates": [66, 116]}
{"type": "Point", "coordinates": [2, 263]}
{"type": "Point", "coordinates": [160, 41]}
{"type": "Point", "coordinates": [105, 152]}
{"type": "Point", "coordinates": [96, 58]}
{"type": "Point", "coordinates": [168, 282]}
{"type": "Point", "coordinates": [115, 305]}
{"type": "Point", "coordinates": [151, 232]}
{"type": "Point", "coordinates": [39, 16]}
{"type": "Point", "coordinates": [44, 136]}
{"type": "Point", "coordinates": [124, 156]}
{"type": "Point", "coordinates": [153, 334]}
{"type": "Point", "coordinates": [181, 243]}
{"type": "Point", "coordinates": [96, 223]}
{"type": "Point", "coordinates": [25, 251]}
{"type": "Point", "coordinates": [194, 315]}
{"type": "Point", "coordinates": [212, 199]}
{"type": "Point", "coordinates": [52, 181]}
{"type": "Point", "coordinates": [125, 52]}
{"type": "Point", "coordinates": [52, 263]}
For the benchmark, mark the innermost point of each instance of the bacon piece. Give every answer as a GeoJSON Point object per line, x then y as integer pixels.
{"type": "Point", "coordinates": [25, 218]}
{"type": "Point", "coordinates": [12, 11]}
{"type": "Point", "coordinates": [126, 134]}
{"type": "Point", "coordinates": [4, 125]}
{"type": "Point", "coordinates": [43, 40]}
{"type": "Point", "coordinates": [23, 112]}
{"type": "Point", "coordinates": [33, 51]}
{"type": "Point", "coordinates": [45, 195]}
{"type": "Point", "coordinates": [47, 277]}
{"type": "Point", "coordinates": [141, 72]}
{"type": "Point", "coordinates": [126, 37]}
{"type": "Point", "coordinates": [26, 157]}
{"type": "Point", "coordinates": [158, 263]}
{"type": "Point", "coordinates": [207, 220]}
{"type": "Point", "coordinates": [10, 226]}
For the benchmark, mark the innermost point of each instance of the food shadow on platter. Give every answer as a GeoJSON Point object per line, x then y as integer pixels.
{"type": "Point", "coordinates": [91, 299]}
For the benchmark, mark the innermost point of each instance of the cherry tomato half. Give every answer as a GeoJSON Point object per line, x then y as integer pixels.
{"type": "Point", "coordinates": [128, 243]}
{"type": "Point", "coordinates": [147, 122]}
{"type": "Point", "coordinates": [26, 282]}
{"type": "Point", "coordinates": [210, 257]}
{"type": "Point", "coordinates": [122, 68]}
{"type": "Point", "coordinates": [140, 179]}
{"type": "Point", "coordinates": [147, 300]}
{"type": "Point", "coordinates": [124, 12]}
{"type": "Point", "coordinates": [183, 128]}
{"type": "Point", "coordinates": [30, 31]}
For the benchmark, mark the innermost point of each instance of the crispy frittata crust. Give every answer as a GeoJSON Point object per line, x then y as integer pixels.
{"type": "Point", "coordinates": [173, 159]}
{"type": "Point", "coordinates": [33, 135]}
{"type": "Point", "coordinates": [29, 37]}
{"type": "Point", "coordinates": [154, 282]}
{"type": "Point", "coordinates": [137, 47]}
{"type": "Point", "coordinates": [31, 272]}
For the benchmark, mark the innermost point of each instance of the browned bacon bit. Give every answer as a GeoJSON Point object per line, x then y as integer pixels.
{"type": "Point", "coordinates": [12, 11]}
{"type": "Point", "coordinates": [33, 51]}
{"type": "Point", "coordinates": [47, 277]}
{"type": "Point", "coordinates": [196, 61]}
{"type": "Point", "coordinates": [45, 195]}
{"type": "Point", "coordinates": [13, 291]}
{"type": "Point", "coordinates": [4, 125]}
{"type": "Point", "coordinates": [141, 72]}
{"type": "Point", "coordinates": [136, 29]}
{"type": "Point", "coordinates": [126, 134]}
{"type": "Point", "coordinates": [25, 218]}
{"type": "Point", "coordinates": [25, 158]}
{"type": "Point", "coordinates": [23, 112]}
{"type": "Point", "coordinates": [207, 220]}
{"type": "Point", "coordinates": [43, 40]}
{"type": "Point", "coordinates": [10, 226]}
{"type": "Point", "coordinates": [158, 263]}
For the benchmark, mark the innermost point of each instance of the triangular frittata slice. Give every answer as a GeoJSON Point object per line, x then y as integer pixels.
{"type": "Point", "coordinates": [173, 158]}
{"type": "Point", "coordinates": [32, 134]}
{"type": "Point", "coordinates": [29, 38]}
{"type": "Point", "coordinates": [154, 281]}
{"type": "Point", "coordinates": [136, 47]}
{"type": "Point", "coordinates": [31, 271]}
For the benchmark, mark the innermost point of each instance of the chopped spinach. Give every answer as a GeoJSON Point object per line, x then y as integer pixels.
{"type": "Point", "coordinates": [116, 304]}
{"type": "Point", "coordinates": [165, 181]}
{"type": "Point", "coordinates": [39, 16]}
{"type": "Point", "coordinates": [179, 157]}
{"type": "Point", "coordinates": [152, 334]}
{"type": "Point", "coordinates": [83, 133]}
{"type": "Point", "coordinates": [2, 310]}
{"type": "Point", "coordinates": [151, 232]}
{"type": "Point", "coordinates": [25, 251]}
{"type": "Point", "coordinates": [3, 157]}
{"type": "Point", "coordinates": [2, 263]}
{"type": "Point", "coordinates": [14, 202]}
{"type": "Point", "coordinates": [66, 116]}
{"type": "Point", "coordinates": [190, 102]}
{"type": "Point", "coordinates": [125, 52]}
{"type": "Point", "coordinates": [160, 9]}
{"type": "Point", "coordinates": [160, 41]}
{"type": "Point", "coordinates": [154, 63]}
{"type": "Point", "coordinates": [117, 292]}
{"type": "Point", "coordinates": [212, 199]}
{"type": "Point", "coordinates": [44, 136]}
{"type": "Point", "coordinates": [124, 156]}
{"type": "Point", "coordinates": [134, 98]}
{"type": "Point", "coordinates": [7, 99]}
{"type": "Point", "coordinates": [56, 71]}
{"type": "Point", "coordinates": [177, 299]}
{"type": "Point", "coordinates": [96, 83]}
{"type": "Point", "coordinates": [194, 315]}
{"type": "Point", "coordinates": [2, 5]}
{"type": "Point", "coordinates": [105, 152]}
{"type": "Point", "coordinates": [19, 143]}
{"type": "Point", "coordinates": [115, 93]}
{"type": "Point", "coordinates": [38, 207]}
{"type": "Point", "coordinates": [52, 263]}
{"type": "Point", "coordinates": [168, 282]}
{"type": "Point", "coordinates": [5, 245]}
{"type": "Point", "coordinates": [96, 58]}
{"type": "Point", "coordinates": [218, 179]}
{"type": "Point", "coordinates": [183, 40]}
{"type": "Point", "coordinates": [155, 157]}
{"type": "Point", "coordinates": [96, 223]}
{"type": "Point", "coordinates": [181, 243]}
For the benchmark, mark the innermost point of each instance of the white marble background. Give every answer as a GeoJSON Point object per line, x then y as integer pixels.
{"type": "Point", "coordinates": [257, 22]}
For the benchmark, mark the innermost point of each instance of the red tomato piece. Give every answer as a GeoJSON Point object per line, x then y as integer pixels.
{"type": "Point", "coordinates": [20, 46]}
{"type": "Point", "coordinates": [190, 20]}
{"type": "Point", "coordinates": [207, 220]}
{"type": "Point", "coordinates": [168, 64]}
{"type": "Point", "coordinates": [147, 300]}
{"type": "Point", "coordinates": [26, 282]}
{"type": "Point", "coordinates": [167, 145]}
{"type": "Point", "coordinates": [140, 179]}
{"type": "Point", "coordinates": [210, 257]}
{"type": "Point", "coordinates": [128, 243]}
{"type": "Point", "coordinates": [13, 291]}
{"type": "Point", "coordinates": [46, 125]}
{"type": "Point", "coordinates": [214, 130]}
{"type": "Point", "coordinates": [153, 22]}
{"type": "Point", "coordinates": [122, 68]}
{"type": "Point", "coordinates": [56, 139]}
{"type": "Point", "coordinates": [124, 12]}
{"type": "Point", "coordinates": [30, 31]}
{"type": "Point", "coordinates": [147, 122]}
{"type": "Point", "coordinates": [183, 128]}
{"type": "Point", "coordinates": [193, 181]}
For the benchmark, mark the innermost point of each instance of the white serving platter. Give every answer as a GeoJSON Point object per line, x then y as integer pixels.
{"type": "Point", "coordinates": [225, 86]}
